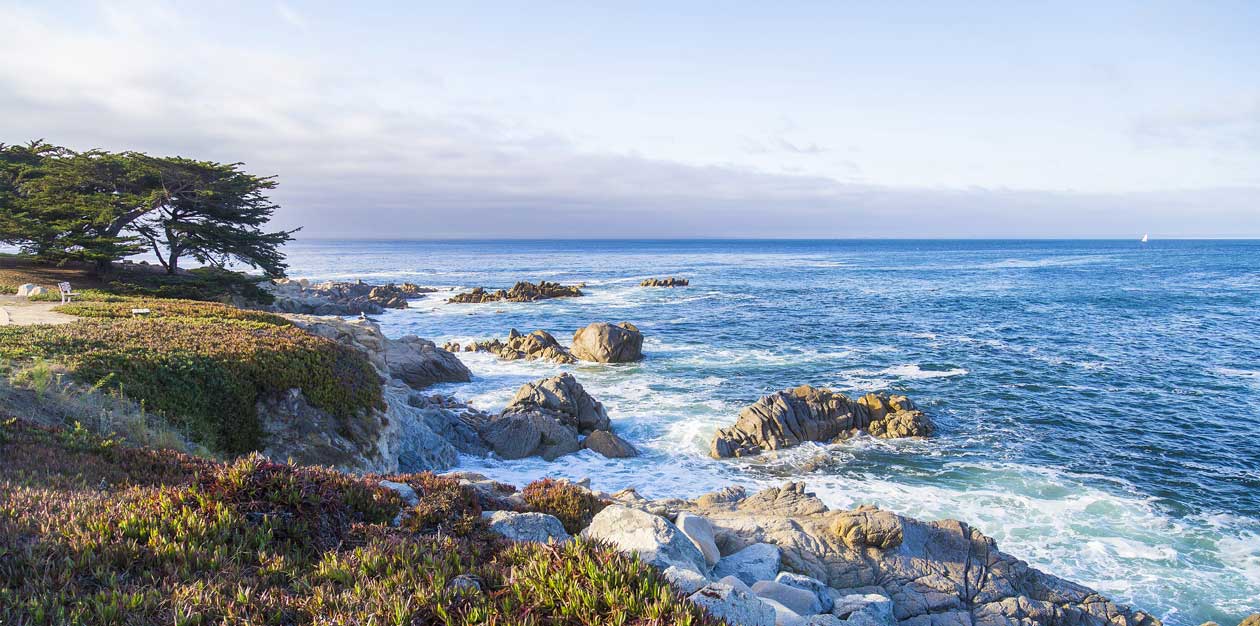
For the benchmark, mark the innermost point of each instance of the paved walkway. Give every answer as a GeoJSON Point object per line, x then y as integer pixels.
{"type": "Point", "coordinates": [16, 311]}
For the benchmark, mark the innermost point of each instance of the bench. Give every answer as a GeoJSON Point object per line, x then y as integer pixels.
{"type": "Point", "coordinates": [140, 311]}
{"type": "Point", "coordinates": [66, 293]}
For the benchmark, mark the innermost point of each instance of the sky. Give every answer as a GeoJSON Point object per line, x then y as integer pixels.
{"type": "Point", "coordinates": [672, 119]}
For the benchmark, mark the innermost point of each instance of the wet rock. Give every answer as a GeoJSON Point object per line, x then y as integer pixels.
{"type": "Point", "coordinates": [653, 538]}
{"type": "Point", "coordinates": [605, 343]}
{"type": "Point", "coordinates": [530, 433]}
{"type": "Point", "coordinates": [536, 345]}
{"type": "Point", "coordinates": [538, 527]}
{"type": "Point", "coordinates": [520, 292]}
{"type": "Point", "coordinates": [672, 281]}
{"type": "Point", "coordinates": [564, 396]}
{"type": "Point", "coordinates": [759, 561]}
{"type": "Point", "coordinates": [609, 445]}
{"type": "Point", "coordinates": [787, 418]}
{"type": "Point", "coordinates": [734, 605]}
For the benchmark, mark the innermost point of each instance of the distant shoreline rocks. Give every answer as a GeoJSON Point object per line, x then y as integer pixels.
{"type": "Point", "coordinates": [539, 344]}
{"type": "Point", "coordinates": [340, 298]}
{"type": "Point", "coordinates": [520, 292]}
{"type": "Point", "coordinates": [794, 416]}
{"type": "Point", "coordinates": [671, 281]}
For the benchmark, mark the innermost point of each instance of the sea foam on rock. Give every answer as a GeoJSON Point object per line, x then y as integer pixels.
{"type": "Point", "coordinates": [550, 418]}
{"type": "Point", "coordinates": [788, 418]}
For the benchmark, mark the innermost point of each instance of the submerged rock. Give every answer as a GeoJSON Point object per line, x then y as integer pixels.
{"type": "Point", "coordinates": [787, 418]}
{"type": "Point", "coordinates": [609, 444]}
{"type": "Point", "coordinates": [602, 342]}
{"type": "Point", "coordinates": [520, 292]}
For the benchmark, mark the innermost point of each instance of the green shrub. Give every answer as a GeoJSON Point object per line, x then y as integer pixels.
{"type": "Point", "coordinates": [572, 505]}
{"type": "Point", "coordinates": [102, 534]}
{"type": "Point", "coordinates": [205, 374]}
{"type": "Point", "coordinates": [203, 283]}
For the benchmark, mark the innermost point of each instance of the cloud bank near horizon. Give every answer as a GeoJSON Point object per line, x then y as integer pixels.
{"type": "Point", "coordinates": [397, 151]}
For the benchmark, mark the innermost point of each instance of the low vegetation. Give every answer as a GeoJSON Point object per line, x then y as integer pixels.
{"type": "Point", "coordinates": [93, 532]}
{"type": "Point", "coordinates": [203, 366]}
{"type": "Point", "coordinates": [574, 507]}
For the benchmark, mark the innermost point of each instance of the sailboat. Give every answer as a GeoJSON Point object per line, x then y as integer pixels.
{"type": "Point", "coordinates": [1146, 237]}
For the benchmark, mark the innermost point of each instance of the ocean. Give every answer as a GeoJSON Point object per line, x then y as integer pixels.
{"type": "Point", "coordinates": [1097, 402]}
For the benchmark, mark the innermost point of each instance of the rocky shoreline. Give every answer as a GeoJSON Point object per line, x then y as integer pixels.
{"type": "Point", "coordinates": [776, 557]}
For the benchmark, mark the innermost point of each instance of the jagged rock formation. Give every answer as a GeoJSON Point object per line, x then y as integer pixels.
{"type": "Point", "coordinates": [536, 345]}
{"type": "Point", "coordinates": [787, 418]}
{"type": "Point", "coordinates": [787, 559]}
{"type": "Point", "coordinates": [340, 298]}
{"type": "Point", "coordinates": [602, 342]}
{"type": "Point", "coordinates": [672, 281]}
{"type": "Point", "coordinates": [420, 363]}
{"type": "Point", "coordinates": [520, 292]}
{"type": "Point", "coordinates": [550, 418]}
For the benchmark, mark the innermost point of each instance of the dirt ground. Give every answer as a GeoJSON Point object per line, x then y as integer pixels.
{"type": "Point", "coordinates": [15, 311]}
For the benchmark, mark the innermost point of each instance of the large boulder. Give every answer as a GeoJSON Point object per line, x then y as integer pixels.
{"type": "Point", "coordinates": [734, 605]}
{"type": "Point", "coordinates": [933, 573]}
{"type": "Point", "coordinates": [800, 601]}
{"type": "Point", "coordinates": [29, 290]}
{"type": "Point", "coordinates": [787, 418]}
{"type": "Point", "coordinates": [538, 527]}
{"type": "Point", "coordinates": [530, 433]}
{"type": "Point", "coordinates": [812, 585]}
{"type": "Point", "coordinates": [605, 343]}
{"type": "Point", "coordinates": [700, 532]}
{"type": "Point", "coordinates": [656, 540]}
{"type": "Point", "coordinates": [420, 363]}
{"type": "Point", "coordinates": [609, 444]}
{"type": "Point", "coordinates": [564, 396]}
{"type": "Point", "coordinates": [759, 561]}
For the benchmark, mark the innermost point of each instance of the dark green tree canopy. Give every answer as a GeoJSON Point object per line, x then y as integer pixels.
{"type": "Point", "coordinates": [101, 206]}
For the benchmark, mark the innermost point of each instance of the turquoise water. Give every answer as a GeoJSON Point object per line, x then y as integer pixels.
{"type": "Point", "coordinates": [1098, 402]}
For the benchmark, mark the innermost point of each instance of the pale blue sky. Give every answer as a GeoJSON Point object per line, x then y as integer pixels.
{"type": "Point", "coordinates": [654, 119]}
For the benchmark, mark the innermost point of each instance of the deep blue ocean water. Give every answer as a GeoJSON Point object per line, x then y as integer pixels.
{"type": "Point", "coordinates": [1098, 402]}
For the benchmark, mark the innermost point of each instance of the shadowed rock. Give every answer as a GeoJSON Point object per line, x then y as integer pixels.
{"type": "Point", "coordinates": [520, 292]}
{"type": "Point", "coordinates": [672, 281]}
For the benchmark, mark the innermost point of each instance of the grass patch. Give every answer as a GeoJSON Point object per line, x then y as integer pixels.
{"type": "Point", "coordinates": [202, 366]}
{"type": "Point", "coordinates": [93, 532]}
{"type": "Point", "coordinates": [168, 308]}
{"type": "Point", "coordinates": [130, 281]}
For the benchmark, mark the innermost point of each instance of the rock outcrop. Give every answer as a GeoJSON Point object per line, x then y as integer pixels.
{"type": "Point", "coordinates": [786, 559]}
{"type": "Point", "coordinates": [794, 416]}
{"type": "Point", "coordinates": [539, 344]}
{"type": "Point", "coordinates": [340, 298]}
{"type": "Point", "coordinates": [520, 292]}
{"type": "Point", "coordinates": [671, 281]}
{"type": "Point", "coordinates": [550, 418]}
{"type": "Point", "coordinates": [605, 343]}
{"type": "Point", "coordinates": [412, 433]}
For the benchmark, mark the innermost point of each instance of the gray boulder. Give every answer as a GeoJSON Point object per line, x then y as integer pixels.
{"type": "Point", "coordinates": [759, 561]}
{"type": "Point", "coordinates": [538, 527]}
{"type": "Point", "coordinates": [602, 342]}
{"type": "Point", "coordinates": [738, 607]}
{"type": "Point", "coordinates": [685, 580]}
{"type": "Point", "coordinates": [863, 607]}
{"type": "Point", "coordinates": [812, 585]}
{"type": "Point", "coordinates": [609, 444]}
{"type": "Point", "coordinates": [404, 491]}
{"type": "Point", "coordinates": [535, 433]}
{"type": "Point", "coordinates": [800, 601]}
{"type": "Point", "coordinates": [700, 532]}
{"type": "Point", "coordinates": [565, 397]}
{"type": "Point", "coordinates": [654, 539]}
{"type": "Point", "coordinates": [420, 363]}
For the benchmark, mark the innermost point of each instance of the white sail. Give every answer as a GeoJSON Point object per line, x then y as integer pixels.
{"type": "Point", "coordinates": [1146, 237]}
